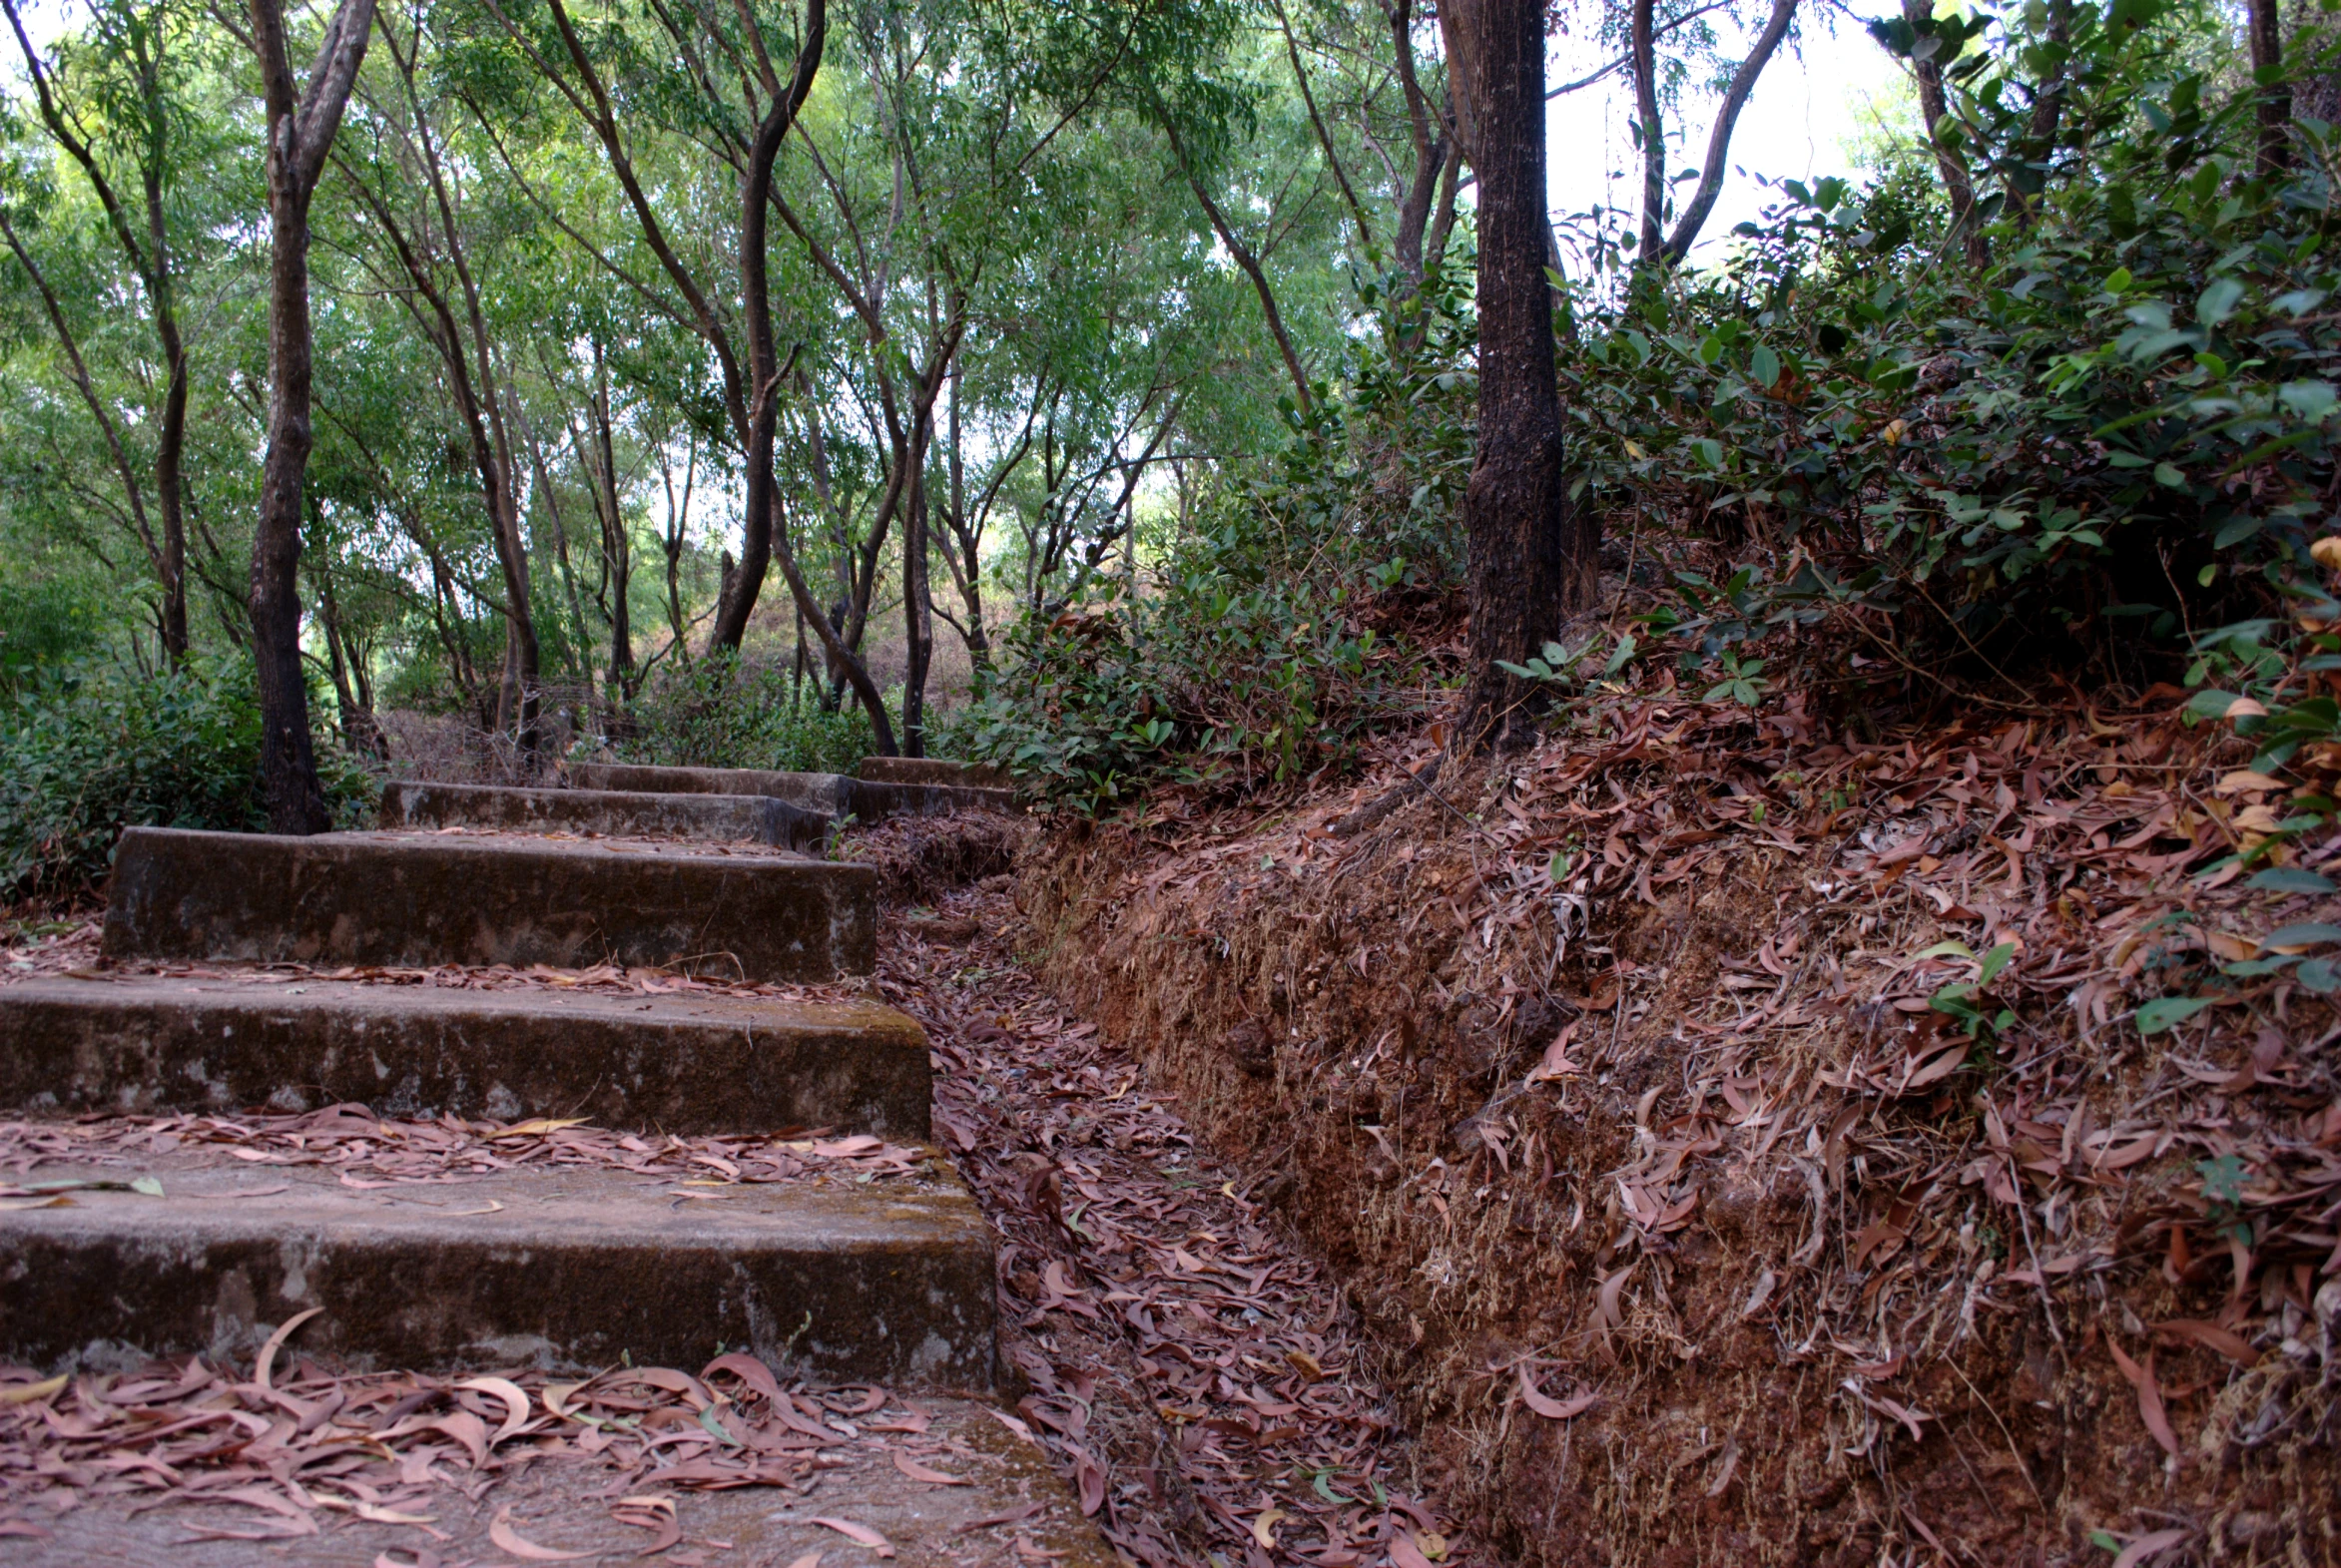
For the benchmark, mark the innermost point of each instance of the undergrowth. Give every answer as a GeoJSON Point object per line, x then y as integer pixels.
{"type": "Point", "coordinates": [89, 749]}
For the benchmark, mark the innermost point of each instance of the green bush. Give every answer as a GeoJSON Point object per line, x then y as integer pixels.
{"type": "Point", "coordinates": [1250, 657]}
{"type": "Point", "coordinates": [723, 711]}
{"type": "Point", "coordinates": [88, 750]}
{"type": "Point", "coordinates": [2122, 423]}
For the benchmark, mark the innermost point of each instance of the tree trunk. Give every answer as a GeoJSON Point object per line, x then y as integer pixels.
{"type": "Point", "coordinates": [149, 257]}
{"type": "Point", "coordinates": [1933, 106]}
{"type": "Point", "coordinates": [301, 127]}
{"type": "Point", "coordinates": [1530, 560]}
{"type": "Point", "coordinates": [918, 609]}
{"type": "Point", "coordinates": [1654, 130]}
{"type": "Point", "coordinates": [2266, 30]}
{"type": "Point", "coordinates": [763, 526]}
{"type": "Point", "coordinates": [1735, 98]}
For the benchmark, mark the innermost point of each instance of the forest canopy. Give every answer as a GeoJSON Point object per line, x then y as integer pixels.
{"type": "Point", "coordinates": [678, 367]}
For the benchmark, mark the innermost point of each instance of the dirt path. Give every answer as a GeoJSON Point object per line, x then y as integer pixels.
{"type": "Point", "coordinates": [1190, 1366]}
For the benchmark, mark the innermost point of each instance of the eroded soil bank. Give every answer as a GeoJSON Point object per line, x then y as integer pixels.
{"type": "Point", "coordinates": [1741, 1143]}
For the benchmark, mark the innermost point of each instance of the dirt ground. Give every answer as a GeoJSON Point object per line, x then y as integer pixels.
{"type": "Point", "coordinates": [1744, 1142]}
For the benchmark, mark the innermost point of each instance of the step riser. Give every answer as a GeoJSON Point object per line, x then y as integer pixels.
{"type": "Point", "coordinates": [866, 799]}
{"type": "Point", "coordinates": [932, 771]}
{"type": "Point", "coordinates": [425, 1300]}
{"type": "Point", "coordinates": [350, 899]}
{"type": "Point", "coordinates": [414, 1053]}
{"type": "Point", "coordinates": [608, 813]}
{"type": "Point", "coordinates": [825, 793]}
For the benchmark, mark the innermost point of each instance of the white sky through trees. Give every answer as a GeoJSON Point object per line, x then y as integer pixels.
{"type": "Point", "coordinates": [1812, 103]}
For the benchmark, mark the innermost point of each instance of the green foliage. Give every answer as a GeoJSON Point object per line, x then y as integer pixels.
{"type": "Point", "coordinates": [723, 711]}
{"type": "Point", "coordinates": [87, 750]}
{"type": "Point", "coordinates": [1247, 659]}
{"type": "Point", "coordinates": [2126, 417]}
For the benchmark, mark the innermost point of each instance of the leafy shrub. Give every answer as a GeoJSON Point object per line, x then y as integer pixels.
{"type": "Point", "coordinates": [722, 712]}
{"type": "Point", "coordinates": [2125, 421]}
{"type": "Point", "coordinates": [2116, 425]}
{"type": "Point", "coordinates": [88, 750]}
{"type": "Point", "coordinates": [1248, 656]}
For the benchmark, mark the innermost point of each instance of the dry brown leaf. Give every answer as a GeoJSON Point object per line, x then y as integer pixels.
{"type": "Point", "coordinates": [275, 1343]}
{"type": "Point", "coordinates": [2149, 1395]}
{"type": "Point", "coordinates": [515, 1404]}
{"type": "Point", "coordinates": [508, 1539]}
{"type": "Point", "coordinates": [852, 1531]}
{"type": "Point", "coordinates": [919, 1472]}
{"type": "Point", "coordinates": [1551, 1408]}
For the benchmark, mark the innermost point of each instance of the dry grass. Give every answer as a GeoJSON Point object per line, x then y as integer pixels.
{"type": "Point", "coordinates": [1678, 1136]}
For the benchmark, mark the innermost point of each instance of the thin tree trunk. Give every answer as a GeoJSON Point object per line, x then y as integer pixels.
{"type": "Point", "coordinates": [917, 608]}
{"type": "Point", "coordinates": [1245, 258]}
{"type": "Point", "coordinates": [2266, 30]}
{"type": "Point", "coordinates": [617, 548]}
{"type": "Point", "coordinates": [763, 526]}
{"type": "Point", "coordinates": [1735, 98]}
{"type": "Point", "coordinates": [301, 127]}
{"type": "Point", "coordinates": [1530, 560]}
{"type": "Point", "coordinates": [1646, 57]}
{"type": "Point", "coordinates": [1332, 160]}
{"type": "Point", "coordinates": [1933, 106]}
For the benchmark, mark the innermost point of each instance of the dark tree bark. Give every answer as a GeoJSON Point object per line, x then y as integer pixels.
{"type": "Point", "coordinates": [2266, 29]}
{"type": "Point", "coordinates": [763, 527]}
{"type": "Point", "coordinates": [1933, 106]}
{"type": "Point", "coordinates": [918, 605]}
{"type": "Point", "coordinates": [1735, 98]}
{"type": "Point", "coordinates": [1530, 560]}
{"type": "Point", "coordinates": [1644, 49]}
{"type": "Point", "coordinates": [301, 127]}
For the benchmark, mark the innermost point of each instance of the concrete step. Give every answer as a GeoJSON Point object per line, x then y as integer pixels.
{"type": "Point", "coordinates": [422, 899]}
{"type": "Point", "coordinates": [828, 793]}
{"type": "Point", "coordinates": [866, 799]}
{"type": "Point", "coordinates": [1009, 1508]}
{"type": "Point", "coordinates": [561, 1268]}
{"type": "Point", "coordinates": [615, 813]}
{"type": "Point", "coordinates": [932, 771]}
{"type": "Point", "coordinates": [681, 1063]}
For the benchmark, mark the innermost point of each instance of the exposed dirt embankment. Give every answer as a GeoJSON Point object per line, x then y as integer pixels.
{"type": "Point", "coordinates": [1741, 1140]}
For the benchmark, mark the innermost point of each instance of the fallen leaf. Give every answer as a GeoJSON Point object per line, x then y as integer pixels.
{"type": "Point", "coordinates": [2226, 1342]}
{"type": "Point", "coordinates": [862, 1533]}
{"type": "Point", "coordinates": [508, 1539]}
{"type": "Point", "coordinates": [540, 1127]}
{"type": "Point", "coordinates": [919, 1472]}
{"type": "Point", "coordinates": [2149, 1395]}
{"type": "Point", "coordinates": [275, 1343]}
{"type": "Point", "coordinates": [1089, 1477]}
{"type": "Point", "coordinates": [28, 1392]}
{"type": "Point", "coordinates": [1264, 1528]}
{"type": "Point", "coordinates": [2146, 1546]}
{"type": "Point", "coordinates": [1404, 1553]}
{"type": "Point", "coordinates": [1551, 1408]}
{"type": "Point", "coordinates": [749, 1371]}
{"type": "Point", "coordinates": [515, 1403]}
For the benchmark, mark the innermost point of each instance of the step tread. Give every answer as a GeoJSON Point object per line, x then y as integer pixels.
{"type": "Point", "coordinates": [687, 1061]}
{"type": "Point", "coordinates": [561, 1503]}
{"type": "Point", "coordinates": [409, 805]}
{"type": "Point", "coordinates": [569, 1266]}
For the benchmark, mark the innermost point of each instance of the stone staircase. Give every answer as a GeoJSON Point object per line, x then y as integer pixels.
{"type": "Point", "coordinates": [507, 1265]}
